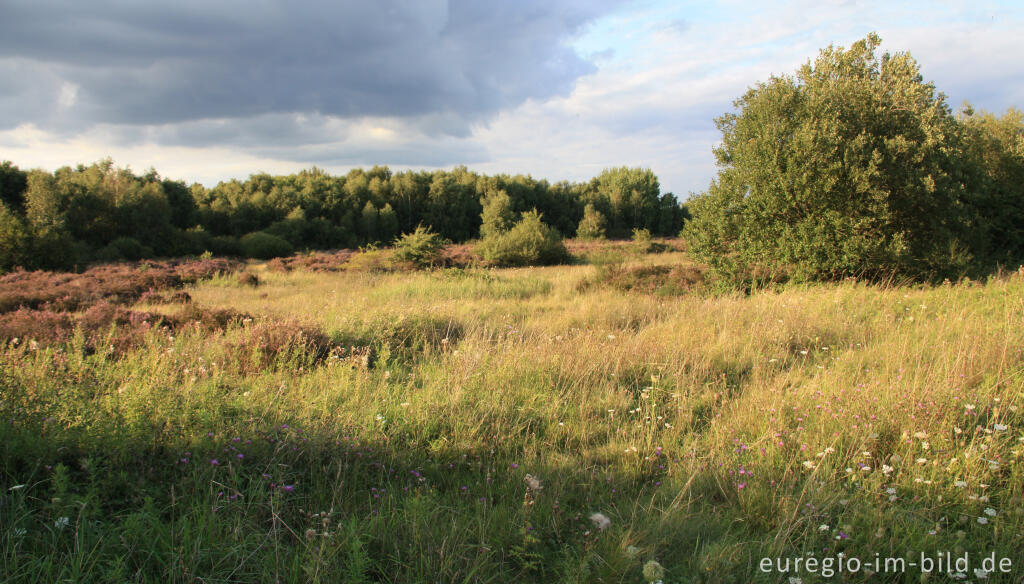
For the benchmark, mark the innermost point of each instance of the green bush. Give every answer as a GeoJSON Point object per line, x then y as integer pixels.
{"type": "Point", "coordinates": [125, 248]}
{"type": "Point", "coordinates": [421, 248]}
{"type": "Point", "coordinates": [850, 168]}
{"type": "Point", "coordinates": [264, 246]}
{"type": "Point", "coordinates": [226, 245]}
{"type": "Point", "coordinates": [529, 242]}
{"type": "Point", "coordinates": [642, 241]}
{"type": "Point", "coordinates": [592, 225]}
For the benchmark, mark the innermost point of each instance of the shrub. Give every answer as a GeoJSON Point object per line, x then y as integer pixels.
{"type": "Point", "coordinates": [226, 245]}
{"type": "Point", "coordinates": [422, 248]}
{"type": "Point", "coordinates": [848, 169]}
{"type": "Point", "coordinates": [529, 242]}
{"type": "Point", "coordinates": [264, 246]}
{"type": "Point", "coordinates": [264, 345]}
{"type": "Point", "coordinates": [592, 225]}
{"type": "Point", "coordinates": [248, 279]}
{"type": "Point", "coordinates": [125, 248]}
{"type": "Point", "coordinates": [642, 241]}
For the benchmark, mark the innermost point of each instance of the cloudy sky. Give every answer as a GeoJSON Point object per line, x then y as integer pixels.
{"type": "Point", "coordinates": [560, 89]}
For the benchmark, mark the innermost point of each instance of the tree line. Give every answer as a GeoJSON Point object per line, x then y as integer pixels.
{"type": "Point", "coordinates": [100, 212]}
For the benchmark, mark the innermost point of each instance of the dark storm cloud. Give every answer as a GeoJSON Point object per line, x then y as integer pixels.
{"type": "Point", "coordinates": [455, 62]}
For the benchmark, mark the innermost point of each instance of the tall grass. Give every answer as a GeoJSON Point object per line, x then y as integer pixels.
{"type": "Point", "coordinates": [500, 412]}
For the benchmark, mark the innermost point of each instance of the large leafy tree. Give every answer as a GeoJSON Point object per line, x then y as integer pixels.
{"type": "Point", "coordinates": [852, 167]}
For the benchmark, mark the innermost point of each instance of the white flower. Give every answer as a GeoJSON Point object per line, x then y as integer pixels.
{"type": "Point", "coordinates": [808, 464]}
{"type": "Point", "coordinates": [981, 574]}
{"type": "Point", "coordinates": [990, 512]}
{"type": "Point", "coordinates": [62, 522]}
{"type": "Point", "coordinates": [920, 435]}
{"type": "Point", "coordinates": [533, 483]}
{"type": "Point", "coordinates": [823, 527]}
{"type": "Point", "coordinates": [960, 484]}
{"type": "Point", "coordinates": [891, 491]}
{"type": "Point", "coordinates": [887, 469]}
{"type": "Point", "coordinates": [1000, 427]}
{"type": "Point", "coordinates": [795, 580]}
{"type": "Point", "coordinates": [982, 520]}
{"type": "Point", "coordinates": [653, 571]}
{"type": "Point", "coordinates": [601, 522]}
{"type": "Point", "coordinates": [922, 460]}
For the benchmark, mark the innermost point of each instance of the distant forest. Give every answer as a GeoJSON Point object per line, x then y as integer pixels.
{"type": "Point", "coordinates": [75, 216]}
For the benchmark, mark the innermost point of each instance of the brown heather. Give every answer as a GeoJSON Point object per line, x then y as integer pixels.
{"type": "Point", "coordinates": [118, 283]}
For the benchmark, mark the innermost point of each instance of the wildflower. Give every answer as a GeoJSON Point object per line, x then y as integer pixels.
{"type": "Point", "coordinates": [62, 522]}
{"type": "Point", "coordinates": [19, 532]}
{"type": "Point", "coordinates": [823, 527]}
{"type": "Point", "coordinates": [632, 552]}
{"type": "Point", "coordinates": [653, 571]}
{"type": "Point", "coordinates": [1000, 427]}
{"type": "Point", "coordinates": [990, 512]}
{"type": "Point", "coordinates": [214, 462]}
{"type": "Point", "coordinates": [983, 520]}
{"type": "Point", "coordinates": [601, 522]}
{"type": "Point", "coordinates": [886, 469]}
{"type": "Point", "coordinates": [960, 484]}
{"type": "Point", "coordinates": [310, 533]}
{"type": "Point", "coordinates": [981, 574]}
{"type": "Point", "coordinates": [795, 580]}
{"type": "Point", "coordinates": [533, 483]}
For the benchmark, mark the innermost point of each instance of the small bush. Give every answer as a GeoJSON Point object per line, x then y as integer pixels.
{"type": "Point", "coordinates": [265, 345]}
{"type": "Point", "coordinates": [45, 327]}
{"type": "Point", "coordinates": [657, 280]}
{"type": "Point", "coordinates": [642, 241]}
{"type": "Point", "coordinates": [125, 248]}
{"type": "Point", "coordinates": [248, 279]}
{"type": "Point", "coordinates": [592, 225]}
{"type": "Point", "coordinates": [371, 260]}
{"type": "Point", "coordinates": [529, 242]}
{"type": "Point", "coordinates": [208, 318]}
{"type": "Point", "coordinates": [264, 246]}
{"type": "Point", "coordinates": [422, 248]}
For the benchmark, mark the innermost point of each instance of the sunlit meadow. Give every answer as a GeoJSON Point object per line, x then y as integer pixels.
{"type": "Point", "coordinates": [536, 424]}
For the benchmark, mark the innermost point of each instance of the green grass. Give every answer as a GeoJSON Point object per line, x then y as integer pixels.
{"type": "Point", "coordinates": [711, 432]}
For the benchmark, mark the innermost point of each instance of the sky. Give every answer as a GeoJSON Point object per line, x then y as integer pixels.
{"type": "Point", "coordinates": [205, 91]}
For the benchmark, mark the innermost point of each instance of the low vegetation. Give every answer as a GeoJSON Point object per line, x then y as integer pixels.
{"type": "Point", "coordinates": [510, 425]}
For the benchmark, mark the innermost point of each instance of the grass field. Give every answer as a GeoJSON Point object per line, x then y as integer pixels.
{"type": "Point", "coordinates": [470, 425]}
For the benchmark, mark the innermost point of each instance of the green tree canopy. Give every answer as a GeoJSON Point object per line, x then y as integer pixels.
{"type": "Point", "coordinates": [852, 167]}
